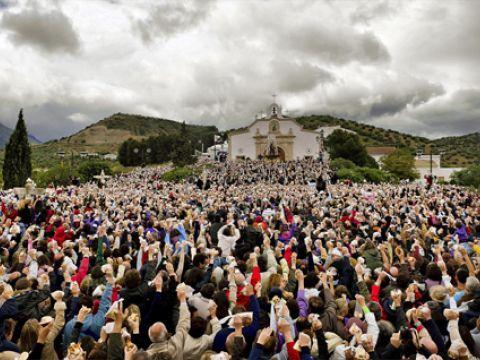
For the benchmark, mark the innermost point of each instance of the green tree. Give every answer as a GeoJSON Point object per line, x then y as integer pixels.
{"type": "Point", "coordinates": [123, 153]}
{"type": "Point", "coordinates": [89, 169]}
{"type": "Point", "coordinates": [182, 153]}
{"type": "Point", "coordinates": [350, 174]}
{"type": "Point", "coordinates": [467, 177]}
{"type": "Point", "coordinates": [400, 164]}
{"type": "Point", "coordinates": [17, 166]}
{"type": "Point", "coordinates": [57, 175]}
{"type": "Point", "coordinates": [347, 145]}
{"type": "Point", "coordinates": [341, 163]}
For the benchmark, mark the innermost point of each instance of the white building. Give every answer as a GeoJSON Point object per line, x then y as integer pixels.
{"type": "Point", "coordinates": [377, 152]}
{"type": "Point", "coordinates": [422, 162]}
{"type": "Point", "coordinates": [110, 157]}
{"type": "Point", "coordinates": [213, 150]}
{"type": "Point", "coordinates": [276, 137]}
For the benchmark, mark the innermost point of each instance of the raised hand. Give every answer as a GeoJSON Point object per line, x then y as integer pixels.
{"type": "Point", "coordinates": [360, 299]}
{"type": "Point", "coordinates": [82, 314]}
{"type": "Point", "coordinates": [181, 295]}
{"type": "Point", "coordinates": [265, 334]}
{"type": "Point", "coordinates": [43, 332]}
{"type": "Point", "coordinates": [316, 324]}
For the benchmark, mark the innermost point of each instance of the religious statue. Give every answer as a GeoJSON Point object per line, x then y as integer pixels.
{"type": "Point", "coordinates": [271, 150]}
{"type": "Point", "coordinates": [30, 187]}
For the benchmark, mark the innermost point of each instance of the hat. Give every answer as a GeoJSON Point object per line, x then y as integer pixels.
{"type": "Point", "coordinates": [45, 320]}
{"type": "Point", "coordinates": [438, 293]}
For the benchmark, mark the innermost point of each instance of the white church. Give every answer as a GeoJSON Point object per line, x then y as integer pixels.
{"type": "Point", "coordinates": [277, 137]}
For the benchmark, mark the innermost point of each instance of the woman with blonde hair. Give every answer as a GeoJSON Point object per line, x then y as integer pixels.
{"type": "Point", "coordinates": [28, 335]}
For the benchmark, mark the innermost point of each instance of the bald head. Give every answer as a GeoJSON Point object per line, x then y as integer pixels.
{"type": "Point", "coordinates": [157, 332]}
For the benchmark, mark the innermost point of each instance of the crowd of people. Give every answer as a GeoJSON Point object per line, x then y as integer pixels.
{"type": "Point", "coordinates": [247, 172]}
{"type": "Point", "coordinates": [246, 268]}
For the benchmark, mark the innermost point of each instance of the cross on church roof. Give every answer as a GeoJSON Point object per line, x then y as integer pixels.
{"type": "Point", "coordinates": [274, 96]}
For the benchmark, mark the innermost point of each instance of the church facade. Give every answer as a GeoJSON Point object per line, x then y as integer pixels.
{"type": "Point", "coordinates": [275, 137]}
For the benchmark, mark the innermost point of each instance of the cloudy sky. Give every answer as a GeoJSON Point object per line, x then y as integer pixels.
{"type": "Point", "coordinates": [412, 66]}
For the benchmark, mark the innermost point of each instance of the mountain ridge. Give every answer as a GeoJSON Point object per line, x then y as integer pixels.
{"type": "Point", "coordinates": [106, 135]}
{"type": "Point", "coordinates": [5, 133]}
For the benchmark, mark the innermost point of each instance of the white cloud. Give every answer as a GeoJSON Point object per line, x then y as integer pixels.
{"type": "Point", "coordinates": [79, 118]}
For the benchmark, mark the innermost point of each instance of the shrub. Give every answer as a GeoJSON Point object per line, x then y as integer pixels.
{"type": "Point", "coordinates": [58, 175]}
{"type": "Point", "coordinates": [341, 163]}
{"type": "Point", "coordinates": [351, 174]}
{"type": "Point", "coordinates": [89, 169]}
{"type": "Point", "coordinates": [375, 175]}
{"type": "Point", "coordinates": [400, 164]}
{"type": "Point", "coordinates": [467, 177]}
{"type": "Point", "coordinates": [178, 174]}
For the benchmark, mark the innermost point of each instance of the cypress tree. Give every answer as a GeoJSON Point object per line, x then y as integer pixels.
{"type": "Point", "coordinates": [17, 166]}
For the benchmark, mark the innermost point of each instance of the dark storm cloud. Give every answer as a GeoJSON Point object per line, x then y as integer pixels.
{"type": "Point", "coordinates": [297, 77]}
{"type": "Point", "coordinates": [170, 18]}
{"type": "Point", "coordinates": [393, 100]}
{"type": "Point", "coordinates": [50, 120]}
{"type": "Point", "coordinates": [4, 4]}
{"type": "Point", "coordinates": [457, 114]}
{"type": "Point", "coordinates": [50, 31]}
{"type": "Point", "coordinates": [335, 45]}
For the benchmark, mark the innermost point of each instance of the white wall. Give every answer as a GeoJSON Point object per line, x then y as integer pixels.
{"type": "Point", "coordinates": [305, 143]}
{"type": "Point", "coordinates": [377, 157]}
{"type": "Point", "coordinates": [444, 173]}
{"type": "Point", "coordinates": [435, 158]}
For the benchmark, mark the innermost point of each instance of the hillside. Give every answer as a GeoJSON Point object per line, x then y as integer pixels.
{"type": "Point", "coordinates": [458, 150]}
{"type": "Point", "coordinates": [5, 133]}
{"type": "Point", "coordinates": [106, 135]}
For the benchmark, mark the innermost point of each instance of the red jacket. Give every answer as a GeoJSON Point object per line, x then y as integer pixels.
{"type": "Point", "coordinates": [61, 235]}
